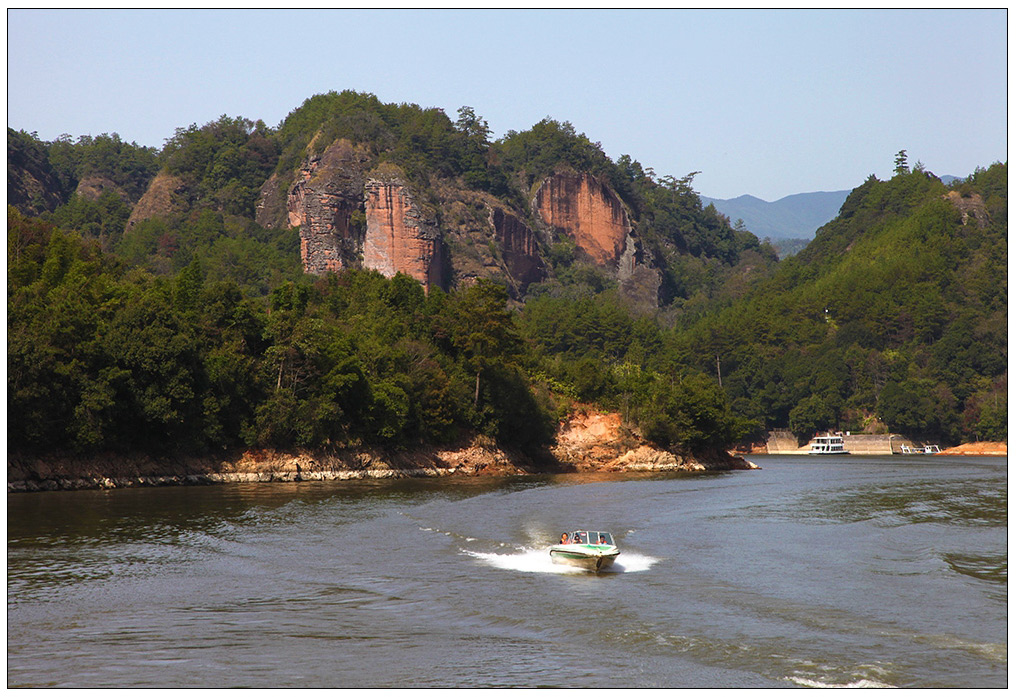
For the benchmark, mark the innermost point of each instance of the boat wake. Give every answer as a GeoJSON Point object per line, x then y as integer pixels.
{"type": "Point", "coordinates": [538, 561]}
{"type": "Point", "coordinates": [861, 683]}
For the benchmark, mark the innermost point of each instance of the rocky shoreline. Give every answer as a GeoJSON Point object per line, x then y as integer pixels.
{"type": "Point", "coordinates": [587, 442]}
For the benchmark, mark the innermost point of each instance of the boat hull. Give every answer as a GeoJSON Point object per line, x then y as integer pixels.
{"type": "Point", "coordinates": [584, 558]}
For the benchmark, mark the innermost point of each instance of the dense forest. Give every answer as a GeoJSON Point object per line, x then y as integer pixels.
{"type": "Point", "coordinates": [197, 329]}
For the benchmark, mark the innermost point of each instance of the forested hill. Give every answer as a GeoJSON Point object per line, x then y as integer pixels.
{"type": "Point", "coordinates": [895, 317]}
{"type": "Point", "coordinates": [370, 273]}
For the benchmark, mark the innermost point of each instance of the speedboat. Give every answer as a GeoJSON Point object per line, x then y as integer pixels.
{"type": "Point", "coordinates": [587, 549]}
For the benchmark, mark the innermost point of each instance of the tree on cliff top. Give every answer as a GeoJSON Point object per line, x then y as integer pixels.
{"type": "Point", "coordinates": [548, 145]}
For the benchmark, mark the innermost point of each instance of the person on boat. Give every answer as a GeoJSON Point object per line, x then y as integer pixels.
{"type": "Point", "coordinates": [603, 540]}
{"type": "Point", "coordinates": [564, 538]}
{"type": "Point", "coordinates": [577, 540]}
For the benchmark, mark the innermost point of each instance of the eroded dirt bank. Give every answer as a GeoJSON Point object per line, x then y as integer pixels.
{"type": "Point", "coordinates": [984, 448]}
{"type": "Point", "coordinates": [587, 441]}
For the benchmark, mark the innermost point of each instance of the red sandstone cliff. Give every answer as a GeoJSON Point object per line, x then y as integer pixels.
{"type": "Point", "coordinates": [586, 210]}
{"type": "Point", "coordinates": [519, 248]}
{"type": "Point", "coordinates": [322, 201]}
{"type": "Point", "coordinates": [352, 213]}
{"type": "Point", "coordinates": [398, 238]}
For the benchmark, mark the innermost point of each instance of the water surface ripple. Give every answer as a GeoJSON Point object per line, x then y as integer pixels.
{"type": "Point", "coordinates": [858, 572]}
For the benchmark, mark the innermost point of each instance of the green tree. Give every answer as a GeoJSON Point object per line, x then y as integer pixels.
{"type": "Point", "coordinates": [901, 163]}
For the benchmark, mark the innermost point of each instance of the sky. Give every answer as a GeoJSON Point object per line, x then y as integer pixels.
{"type": "Point", "coordinates": [762, 102]}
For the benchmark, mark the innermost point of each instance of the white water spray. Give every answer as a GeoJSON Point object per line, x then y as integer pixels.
{"type": "Point", "coordinates": [537, 560]}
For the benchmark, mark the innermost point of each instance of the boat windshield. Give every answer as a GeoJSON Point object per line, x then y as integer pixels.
{"type": "Point", "coordinates": [592, 537]}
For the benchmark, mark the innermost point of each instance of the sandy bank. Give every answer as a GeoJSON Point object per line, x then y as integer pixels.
{"type": "Point", "coordinates": [983, 448]}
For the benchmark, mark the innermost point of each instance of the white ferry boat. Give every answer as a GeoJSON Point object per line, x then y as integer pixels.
{"type": "Point", "coordinates": [827, 445]}
{"type": "Point", "coordinates": [920, 450]}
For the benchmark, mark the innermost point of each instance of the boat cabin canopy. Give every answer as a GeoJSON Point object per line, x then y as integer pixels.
{"type": "Point", "coordinates": [590, 537]}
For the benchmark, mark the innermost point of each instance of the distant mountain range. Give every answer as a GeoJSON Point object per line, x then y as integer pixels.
{"type": "Point", "coordinates": [794, 217]}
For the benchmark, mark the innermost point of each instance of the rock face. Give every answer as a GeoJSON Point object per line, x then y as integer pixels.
{"type": "Point", "coordinates": [969, 206]}
{"type": "Point", "coordinates": [32, 185]}
{"type": "Point", "coordinates": [91, 188]}
{"type": "Point", "coordinates": [519, 248]}
{"type": "Point", "coordinates": [327, 192]}
{"type": "Point", "coordinates": [398, 238]}
{"type": "Point", "coordinates": [270, 209]}
{"type": "Point", "coordinates": [350, 217]}
{"type": "Point", "coordinates": [600, 441]}
{"type": "Point", "coordinates": [353, 214]}
{"type": "Point", "coordinates": [165, 195]}
{"type": "Point", "coordinates": [586, 210]}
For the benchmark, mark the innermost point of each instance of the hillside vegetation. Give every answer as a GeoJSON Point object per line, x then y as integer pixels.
{"type": "Point", "coordinates": [194, 327]}
{"type": "Point", "coordinates": [895, 313]}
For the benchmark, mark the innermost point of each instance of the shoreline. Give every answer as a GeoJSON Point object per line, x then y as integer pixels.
{"type": "Point", "coordinates": [979, 448]}
{"type": "Point", "coordinates": [32, 474]}
{"type": "Point", "coordinates": [586, 442]}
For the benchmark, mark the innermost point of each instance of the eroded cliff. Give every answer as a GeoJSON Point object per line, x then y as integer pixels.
{"type": "Point", "coordinates": [398, 236]}
{"type": "Point", "coordinates": [519, 247]}
{"type": "Point", "coordinates": [586, 210]}
{"type": "Point", "coordinates": [354, 213]}
{"type": "Point", "coordinates": [328, 191]}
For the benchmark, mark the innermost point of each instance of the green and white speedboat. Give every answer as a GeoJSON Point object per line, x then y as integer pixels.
{"type": "Point", "coordinates": [588, 549]}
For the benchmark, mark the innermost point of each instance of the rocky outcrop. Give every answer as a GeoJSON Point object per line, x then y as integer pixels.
{"type": "Point", "coordinates": [600, 441]}
{"type": "Point", "coordinates": [519, 248]}
{"type": "Point", "coordinates": [587, 211]}
{"type": "Point", "coordinates": [969, 206]}
{"type": "Point", "coordinates": [166, 195]}
{"type": "Point", "coordinates": [398, 237]}
{"type": "Point", "coordinates": [350, 217]}
{"type": "Point", "coordinates": [588, 441]}
{"type": "Point", "coordinates": [639, 280]}
{"type": "Point", "coordinates": [328, 191]}
{"type": "Point", "coordinates": [32, 185]}
{"type": "Point", "coordinates": [270, 209]}
{"type": "Point", "coordinates": [352, 214]}
{"type": "Point", "coordinates": [91, 188]}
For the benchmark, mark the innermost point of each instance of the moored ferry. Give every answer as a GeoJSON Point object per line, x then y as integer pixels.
{"type": "Point", "coordinates": [828, 445]}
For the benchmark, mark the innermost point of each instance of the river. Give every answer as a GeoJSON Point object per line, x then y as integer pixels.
{"type": "Point", "coordinates": [844, 571]}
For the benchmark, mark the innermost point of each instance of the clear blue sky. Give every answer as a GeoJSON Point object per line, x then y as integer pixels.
{"type": "Point", "coordinates": [768, 103]}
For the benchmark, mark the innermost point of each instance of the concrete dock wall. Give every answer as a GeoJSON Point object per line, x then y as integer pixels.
{"type": "Point", "coordinates": [783, 442]}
